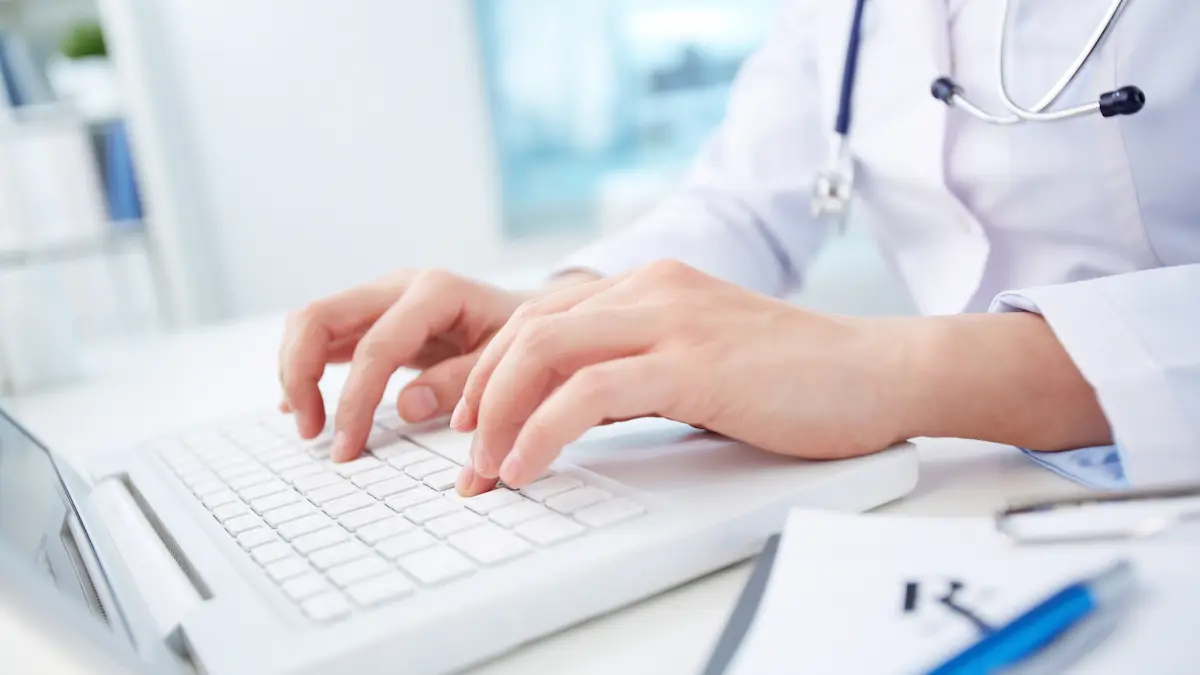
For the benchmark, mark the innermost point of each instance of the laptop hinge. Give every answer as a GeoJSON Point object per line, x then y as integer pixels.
{"type": "Point", "coordinates": [168, 590]}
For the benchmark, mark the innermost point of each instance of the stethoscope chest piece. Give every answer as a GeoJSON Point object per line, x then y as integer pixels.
{"type": "Point", "coordinates": [833, 185]}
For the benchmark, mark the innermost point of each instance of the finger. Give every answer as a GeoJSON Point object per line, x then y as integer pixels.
{"type": "Point", "coordinates": [431, 305]}
{"type": "Point", "coordinates": [435, 391]}
{"type": "Point", "coordinates": [466, 413]}
{"type": "Point", "coordinates": [316, 334]}
{"type": "Point", "coordinates": [470, 484]}
{"type": "Point", "coordinates": [546, 351]}
{"type": "Point", "coordinates": [638, 386]}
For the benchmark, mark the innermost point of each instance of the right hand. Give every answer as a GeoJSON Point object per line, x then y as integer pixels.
{"type": "Point", "coordinates": [428, 320]}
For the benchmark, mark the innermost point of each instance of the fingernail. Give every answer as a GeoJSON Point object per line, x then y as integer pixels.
{"type": "Point", "coordinates": [418, 404]}
{"type": "Point", "coordinates": [456, 417]}
{"type": "Point", "coordinates": [511, 469]}
{"type": "Point", "coordinates": [339, 449]}
{"type": "Point", "coordinates": [480, 461]}
{"type": "Point", "coordinates": [466, 478]}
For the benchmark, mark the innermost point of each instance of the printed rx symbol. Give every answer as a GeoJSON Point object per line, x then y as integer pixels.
{"type": "Point", "coordinates": [947, 596]}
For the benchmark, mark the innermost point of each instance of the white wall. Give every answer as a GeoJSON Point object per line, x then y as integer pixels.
{"type": "Point", "coordinates": [326, 142]}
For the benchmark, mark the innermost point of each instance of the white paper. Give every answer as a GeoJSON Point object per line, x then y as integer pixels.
{"type": "Point", "coordinates": [835, 602]}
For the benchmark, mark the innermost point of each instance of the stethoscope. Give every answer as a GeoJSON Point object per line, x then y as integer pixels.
{"type": "Point", "coordinates": [834, 184]}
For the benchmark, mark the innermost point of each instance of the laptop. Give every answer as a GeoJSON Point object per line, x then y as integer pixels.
{"type": "Point", "coordinates": [239, 548]}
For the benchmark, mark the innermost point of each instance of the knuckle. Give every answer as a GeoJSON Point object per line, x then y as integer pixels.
{"type": "Point", "coordinates": [436, 278]}
{"type": "Point", "coordinates": [594, 385]}
{"type": "Point", "coordinates": [307, 316]}
{"type": "Point", "coordinates": [371, 349]}
{"type": "Point", "coordinates": [670, 271]}
{"type": "Point", "coordinates": [528, 309]}
{"type": "Point", "coordinates": [536, 335]}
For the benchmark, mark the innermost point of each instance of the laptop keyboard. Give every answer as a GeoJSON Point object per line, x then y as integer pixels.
{"type": "Point", "coordinates": [337, 538]}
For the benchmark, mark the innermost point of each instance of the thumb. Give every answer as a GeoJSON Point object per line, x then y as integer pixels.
{"type": "Point", "coordinates": [436, 390]}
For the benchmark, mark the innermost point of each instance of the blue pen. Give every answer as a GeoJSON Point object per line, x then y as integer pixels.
{"type": "Point", "coordinates": [1033, 631]}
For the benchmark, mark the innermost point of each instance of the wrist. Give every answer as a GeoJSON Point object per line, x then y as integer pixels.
{"type": "Point", "coordinates": [995, 377]}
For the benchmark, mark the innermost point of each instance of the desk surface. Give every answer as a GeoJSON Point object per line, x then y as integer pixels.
{"type": "Point", "coordinates": [196, 378]}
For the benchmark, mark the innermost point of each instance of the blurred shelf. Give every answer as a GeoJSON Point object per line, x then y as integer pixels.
{"type": "Point", "coordinates": [111, 243]}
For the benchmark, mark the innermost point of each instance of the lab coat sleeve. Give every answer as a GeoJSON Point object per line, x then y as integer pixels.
{"type": "Point", "coordinates": [1136, 338]}
{"type": "Point", "coordinates": [742, 212]}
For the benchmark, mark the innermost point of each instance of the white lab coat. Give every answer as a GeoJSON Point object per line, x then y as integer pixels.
{"type": "Point", "coordinates": [1093, 222]}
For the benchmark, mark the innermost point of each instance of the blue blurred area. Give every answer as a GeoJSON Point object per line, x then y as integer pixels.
{"type": "Point", "coordinates": [593, 93]}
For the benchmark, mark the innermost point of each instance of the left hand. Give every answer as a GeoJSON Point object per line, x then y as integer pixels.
{"type": "Point", "coordinates": [672, 342]}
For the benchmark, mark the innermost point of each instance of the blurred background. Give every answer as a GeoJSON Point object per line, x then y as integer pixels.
{"type": "Point", "coordinates": [168, 164]}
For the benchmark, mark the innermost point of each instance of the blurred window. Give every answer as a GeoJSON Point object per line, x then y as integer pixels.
{"type": "Point", "coordinates": [597, 106]}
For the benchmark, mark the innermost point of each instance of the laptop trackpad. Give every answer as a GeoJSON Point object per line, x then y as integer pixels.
{"type": "Point", "coordinates": [663, 457]}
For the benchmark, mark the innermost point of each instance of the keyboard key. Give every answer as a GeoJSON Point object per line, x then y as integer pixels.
{"type": "Point", "coordinates": [573, 500]}
{"type": "Point", "coordinates": [404, 544]}
{"type": "Point", "coordinates": [414, 455]}
{"type": "Point", "coordinates": [319, 448]}
{"type": "Point", "coordinates": [326, 607]}
{"type": "Point", "coordinates": [359, 570]}
{"type": "Point", "coordinates": [443, 480]}
{"type": "Point", "coordinates": [199, 479]}
{"type": "Point", "coordinates": [380, 589]}
{"type": "Point", "coordinates": [315, 541]}
{"type": "Point", "coordinates": [287, 568]}
{"type": "Point", "coordinates": [359, 465]}
{"type": "Point", "coordinates": [609, 513]}
{"type": "Point", "coordinates": [394, 449]}
{"type": "Point", "coordinates": [430, 466]}
{"type": "Point", "coordinates": [490, 501]}
{"type": "Point", "coordinates": [410, 498]}
{"type": "Point", "coordinates": [513, 514]}
{"type": "Point", "coordinates": [283, 514]}
{"type": "Point", "coordinates": [306, 470]}
{"type": "Point", "coordinates": [263, 489]}
{"type": "Point", "coordinates": [305, 586]}
{"type": "Point", "coordinates": [323, 478]}
{"type": "Point", "coordinates": [337, 554]}
{"type": "Point", "coordinates": [351, 502]}
{"type": "Point", "coordinates": [379, 473]}
{"type": "Point", "coordinates": [278, 451]}
{"type": "Point", "coordinates": [390, 421]}
{"type": "Point", "coordinates": [380, 530]}
{"type": "Point", "coordinates": [324, 495]}
{"type": "Point", "coordinates": [390, 487]}
{"type": "Point", "coordinates": [448, 443]}
{"type": "Point", "coordinates": [208, 487]}
{"type": "Point", "coordinates": [253, 478]}
{"type": "Point", "coordinates": [231, 510]}
{"type": "Point", "coordinates": [242, 523]}
{"type": "Point", "coordinates": [549, 529]}
{"type": "Point", "coordinates": [288, 462]}
{"type": "Point", "coordinates": [437, 508]}
{"type": "Point", "coordinates": [268, 553]}
{"type": "Point", "coordinates": [455, 522]}
{"type": "Point", "coordinates": [436, 565]}
{"type": "Point", "coordinates": [256, 537]}
{"type": "Point", "coordinates": [379, 438]}
{"type": "Point", "coordinates": [302, 526]}
{"type": "Point", "coordinates": [216, 499]}
{"type": "Point", "coordinates": [356, 519]}
{"type": "Point", "coordinates": [275, 500]}
{"type": "Point", "coordinates": [241, 468]}
{"type": "Point", "coordinates": [490, 544]}
{"type": "Point", "coordinates": [548, 487]}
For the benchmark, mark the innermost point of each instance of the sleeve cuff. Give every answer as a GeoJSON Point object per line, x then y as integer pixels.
{"type": "Point", "coordinates": [1146, 420]}
{"type": "Point", "coordinates": [1099, 467]}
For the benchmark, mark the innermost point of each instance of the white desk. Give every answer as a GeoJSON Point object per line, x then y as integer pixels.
{"type": "Point", "coordinates": [225, 371]}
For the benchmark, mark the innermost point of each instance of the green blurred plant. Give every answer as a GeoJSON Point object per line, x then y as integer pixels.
{"type": "Point", "coordinates": [82, 40]}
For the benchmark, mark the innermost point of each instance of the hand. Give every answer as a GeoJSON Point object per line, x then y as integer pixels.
{"type": "Point", "coordinates": [429, 320]}
{"type": "Point", "coordinates": [669, 341]}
